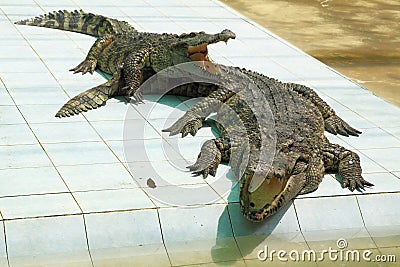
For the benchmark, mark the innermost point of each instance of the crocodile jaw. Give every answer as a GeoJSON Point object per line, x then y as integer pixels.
{"type": "Point", "coordinates": [199, 55]}
{"type": "Point", "coordinates": [269, 197]}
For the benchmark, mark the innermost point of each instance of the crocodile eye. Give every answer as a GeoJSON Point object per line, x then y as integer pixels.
{"type": "Point", "coordinates": [252, 204]}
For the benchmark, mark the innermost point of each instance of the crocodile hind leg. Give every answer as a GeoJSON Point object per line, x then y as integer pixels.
{"type": "Point", "coordinates": [211, 154]}
{"type": "Point", "coordinates": [92, 98]}
{"type": "Point", "coordinates": [90, 62]}
{"type": "Point", "coordinates": [347, 163]}
{"type": "Point", "coordinates": [333, 123]}
{"type": "Point", "coordinates": [313, 174]}
{"type": "Point", "coordinates": [133, 68]}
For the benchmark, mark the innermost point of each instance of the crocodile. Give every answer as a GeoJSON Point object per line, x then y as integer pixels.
{"type": "Point", "coordinates": [301, 151]}
{"type": "Point", "coordinates": [126, 54]}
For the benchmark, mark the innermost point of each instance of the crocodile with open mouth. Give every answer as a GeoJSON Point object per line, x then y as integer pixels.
{"type": "Point", "coordinates": [126, 54]}
{"type": "Point", "coordinates": [288, 117]}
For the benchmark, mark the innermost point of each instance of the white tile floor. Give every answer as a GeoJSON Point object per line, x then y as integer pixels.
{"type": "Point", "coordinates": [68, 197]}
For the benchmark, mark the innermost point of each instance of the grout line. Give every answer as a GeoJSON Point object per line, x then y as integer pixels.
{"type": "Point", "coordinates": [365, 227]}
{"type": "Point", "coordinates": [162, 236]}
{"type": "Point", "coordinates": [5, 239]}
{"type": "Point", "coordinates": [87, 239]}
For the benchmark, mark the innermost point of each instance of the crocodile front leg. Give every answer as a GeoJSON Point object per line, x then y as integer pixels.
{"type": "Point", "coordinates": [193, 119]}
{"type": "Point", "coordinates": [90, 62]}
{"type": "Point", "coordinates": [92, 98]}
{"type": "Point", "coordinates": [333, 123]}
{"type": "Point", "coordinates": [210, 157]}
{"type": "Point", "coordinates": [347, 163]}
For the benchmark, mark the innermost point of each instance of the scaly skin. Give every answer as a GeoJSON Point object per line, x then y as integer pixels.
{"type": "Point", "coordinates": [302, 154]}
{"type": "Point", "coordinates": [125, 54]}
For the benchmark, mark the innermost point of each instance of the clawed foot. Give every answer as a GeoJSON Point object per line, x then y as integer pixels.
{"type": "Point", "coordinates": [88, 65]}
{"type": "Point", "coordinates": [185, 125]}
{"type": "Point", "coordinates": [207, 161]}
{"type": "Point", "coordinates": [135, 93]}
{"type": "Point", "coordinates": [336, 125]}
{"type": "Point", "coordinates": [355, 182]}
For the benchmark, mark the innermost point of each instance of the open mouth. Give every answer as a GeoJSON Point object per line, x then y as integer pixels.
{"type": "Point", "coordinates": [266, 199]}
{"type": "Point", "coordinates": [199, 54]}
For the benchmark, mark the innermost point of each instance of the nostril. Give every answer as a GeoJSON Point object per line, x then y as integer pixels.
{"type": "Point", "coordinates": [252, 204]}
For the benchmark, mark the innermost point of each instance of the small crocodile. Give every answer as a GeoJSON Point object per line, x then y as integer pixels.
{"type": "Point", "coordinates": [126, 54]}
{"type": "Point", "coordinates": [302, 153]}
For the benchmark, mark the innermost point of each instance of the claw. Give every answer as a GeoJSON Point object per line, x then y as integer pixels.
{"type": "Point", "coordinates": [335, 125]}
{"type": "Point", "coordinates": [207, 161]}
{"type": "Point", "coordinates": [88, 65]}
{"type": "Point", "coordinates": [185, 125]}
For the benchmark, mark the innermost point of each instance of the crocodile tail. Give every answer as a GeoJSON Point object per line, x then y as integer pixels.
{"type": "Point", "coordinates": [79, 21]}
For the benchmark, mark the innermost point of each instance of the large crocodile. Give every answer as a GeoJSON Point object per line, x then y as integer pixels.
{"type": "Point", "coordinates": [298, 119]}
{"type": "Point", "coordinates": [126, 54]}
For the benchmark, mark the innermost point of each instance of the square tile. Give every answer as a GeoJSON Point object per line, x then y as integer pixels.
{"type": "Point", "coordinates": [334, 213]}
{"type": "Point", "coordinates": [5, 98]}
{"type": "Point", "coordinates": [118, 237]}
{"type": "Point", "coordinates": [164, 173]}
{"type": "Point", "coordinates": [270, 47]}
{"type": "Point", "coordinates": [38, 206]}
{"type": "Point", "coordinates": [199, 24]}
{"type": "Point", "coordinates": [21, 156]}
{"type": "Point", "coordinates": [113, 200]}
{"type": "Point", "coordinates": [374, 138]}
{"type": "Point", "coordinates": [235, 48]}
{"type": "Point", "coordinates": [96, 177]}
{"type": "Point", "coordinates": [383, 182]}
{"type": "Point", "coordinates": [189, 241]}
{"type": "Point", "coordinates": [265, 66]}
{"type": "Point", "coordinates": [27, 181]}
{"type": "Point", "coordinates": [8, 29]}
{"type": "Point", "coordinates": [79, 153]}
{"type": "Point", "coordinates": [369, 165]}
{"type": "Point", "coordinates": [34, 81]}
{"type": "Point", "coordinates": [385, 236]}
{"type": "Point", "coordinates": [395, 131]}
{"type": "Point", "coordinates": [250, 246]}
{"type": "Point", "coordinates": [183, 195]}
{"type": "Point", "coordinates": [179, 12]}
{"type": "Point", "coordinates": [328, 187]}
{"type": "Point", "coordinates": [16, 134]}
{"type": "Point", "coordinates": [152, 255]}
{"type": "Point", "coordinates": [356, 238]}
{"type": "Point", "coordinates": [244, 29]}
{"type": "Point", "coordinates": [23, 51]}
{"type": "Point", "coordinates": [128, 129]}
{"type": "Point", "coordinates": [47, 241]}
{"type": "Point", "coordinates": [381, 156]}
{"type": "Point", "coordinates": [117, 148]}
{"type": "Point", "coordinates": [385, 215]}
{"type": "Point", "coordinates": [149, 150]}
{"type": "Point", "coordinates": [44, 96]}
{"type": "Point", "coordinates": [10, 115]}
{"type": "Point", "coordinates": [123, 229]}
{"type": "Point", "coordinates": [64, 132]}
{"type": "Point", "coordinates": [45, 113]}
{"type": "Point", "coordinates": [22, 65]}
{"type": "Point", "coordinates": [218, 12]}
